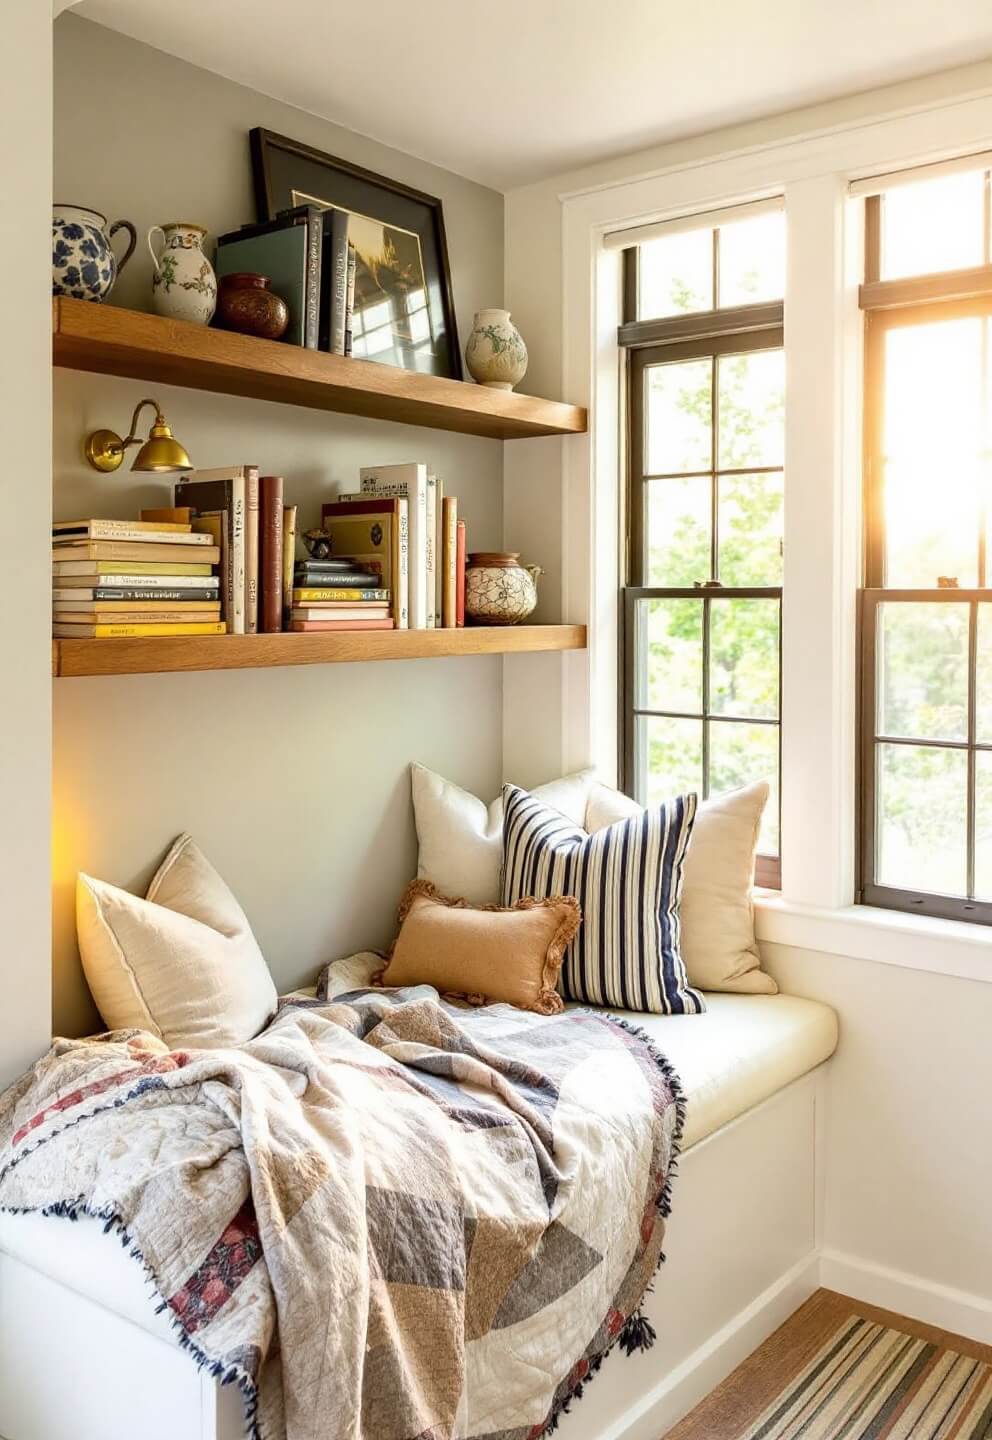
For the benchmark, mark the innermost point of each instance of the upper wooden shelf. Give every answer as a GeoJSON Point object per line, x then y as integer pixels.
{"type": "Point", "coordinates": [112, 341]}
{"type": "Point", "coordinates": [145, 655]}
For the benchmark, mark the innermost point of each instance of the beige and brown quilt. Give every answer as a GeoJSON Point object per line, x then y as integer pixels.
{"type": "Point", "coordinates": [386, 1217]}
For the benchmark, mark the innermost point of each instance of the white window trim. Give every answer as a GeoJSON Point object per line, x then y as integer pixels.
{"type": "Point", "coordinates": [887, 937]}
{"type": "Point", "coordinates": [823, 505]}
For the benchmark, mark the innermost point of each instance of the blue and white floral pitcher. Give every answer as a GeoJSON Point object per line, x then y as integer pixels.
{"type": "Point", "coordinates": [83, 264]}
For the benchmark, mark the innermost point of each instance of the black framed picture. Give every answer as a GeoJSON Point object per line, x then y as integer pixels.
{"type": "Point", "coordinates": [403, 313]}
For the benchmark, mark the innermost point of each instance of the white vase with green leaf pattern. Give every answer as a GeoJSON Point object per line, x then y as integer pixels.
{"type": "Point", "coordinates": [184, 286]}
{"type": "Point", "coordinates": [495, 353]}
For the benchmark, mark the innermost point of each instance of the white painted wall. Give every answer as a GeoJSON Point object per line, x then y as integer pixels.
{"type": "Point", "coordinates": [25, 665]}
{"type": "Point", "coordinates": [906, 1147]}
{"type": "Point", "coordinates": [909, 1164]}
{"type": "Point", "coordinates": [294, 780]}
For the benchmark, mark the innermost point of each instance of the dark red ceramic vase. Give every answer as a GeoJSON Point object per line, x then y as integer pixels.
{"type": "Point", "coordinates": [246, 304]}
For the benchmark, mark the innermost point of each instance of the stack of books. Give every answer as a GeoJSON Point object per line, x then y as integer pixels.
{"type": "Point", "coordinates": [115, 578]}
{"type": "Point", "coordinates": [345, 593]}
{"type": "Point", "coordinates": [401, 519]}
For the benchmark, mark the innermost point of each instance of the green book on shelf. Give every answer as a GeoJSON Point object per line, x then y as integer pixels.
{"type": "Point", "coordinates": [282, 256]}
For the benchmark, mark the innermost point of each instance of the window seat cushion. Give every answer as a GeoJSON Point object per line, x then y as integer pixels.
{"type": "Point", "coordinates": [739, 1052]}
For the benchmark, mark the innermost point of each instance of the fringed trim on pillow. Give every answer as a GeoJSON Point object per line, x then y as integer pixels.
{"type": "Point", "coordinates": [548, 1001]}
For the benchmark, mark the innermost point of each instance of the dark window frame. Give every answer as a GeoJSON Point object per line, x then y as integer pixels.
{"type": "Point", "coordinates": [703, 334]}
{"type": "Point", "coordinates": [890, 304]}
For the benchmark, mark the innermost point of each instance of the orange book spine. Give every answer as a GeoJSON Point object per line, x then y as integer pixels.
{"type": "Point", "coordinates": [460, 548]}
{"type": "Point", "coordinates": [449, 592]}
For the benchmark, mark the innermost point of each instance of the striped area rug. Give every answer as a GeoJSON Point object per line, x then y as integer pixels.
{"type": "Point", "coordinates": [868, 1382]}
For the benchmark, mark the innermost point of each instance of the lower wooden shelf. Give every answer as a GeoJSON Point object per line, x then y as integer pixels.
{"type": "Point", "coordinates": [152, 655]}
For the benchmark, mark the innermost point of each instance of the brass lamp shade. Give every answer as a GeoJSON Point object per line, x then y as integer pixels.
{"type": "Point", "coordinates": [160, 454]}
{"type": "Point", "coordinates": [161, 451]}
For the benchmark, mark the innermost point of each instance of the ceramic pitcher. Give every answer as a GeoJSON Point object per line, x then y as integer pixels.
{"type": "Point", "coordinates": [184, 286]}
{"type": "Point", "coordinates": [83, 264]}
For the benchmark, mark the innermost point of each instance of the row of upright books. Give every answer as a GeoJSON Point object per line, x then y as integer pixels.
{"type": "Point", "coordinates": [223, 558]}
{"type": "Point", "coordinates": [307, 256]}
{"type": "Point", "coordinates": [401, 524]}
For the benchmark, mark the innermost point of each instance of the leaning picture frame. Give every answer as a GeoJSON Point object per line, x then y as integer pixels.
{"type": "Point", "coordinates": [404, 311]}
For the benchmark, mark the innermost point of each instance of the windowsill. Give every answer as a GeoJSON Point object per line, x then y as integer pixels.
{"type": "Point", "coordinates": [864, 932]}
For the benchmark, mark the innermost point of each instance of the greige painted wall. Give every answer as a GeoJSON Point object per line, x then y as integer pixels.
{"type": "Point", "coordinates": [294, 781]}
{"type": "Point", "coordinates": [25, 391]}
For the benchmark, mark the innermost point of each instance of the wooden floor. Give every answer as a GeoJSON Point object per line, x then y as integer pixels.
{"type": "Point", "coordinates": [735, 1405]}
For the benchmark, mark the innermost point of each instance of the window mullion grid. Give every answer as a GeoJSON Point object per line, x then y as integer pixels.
{"type": "Point", "coordinates": [714, 462]}
{"type": "Point", "coordinates": [716, 267]}
{"type": "Point", "coordinates": [966, 906]}
{"type": "Point", "coordinates": [705, 744]}
{"type": "Point", "coordinates": [984, 458]}
{"type": "Point", "coordinates": [972, 727]}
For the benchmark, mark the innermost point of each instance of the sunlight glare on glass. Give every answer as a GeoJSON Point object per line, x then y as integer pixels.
{"type": "Point", "coordinates": [669, 639]}
{"type": "Point", "coordinates": [676, 274]}
{"type": "Point", "coordinates": [679, 417]}
{"type": "Point", "coordinates": [376, 315]}
{"type": "Point", "coordinates": [922, 802]}
{"type": "Point", "coordinates": [934, 451]}
{"type": "Point", "coordinates": [420, 325]}
{"type": "Point", "coordinates": [751, 399]}
{"type": "Point", "coordinates": [752, 260]}
{"type": "Point", "coordinates": [669, 757]}
{"type": "Point", "coordinates": [933, 226]}
{"type": "Point", "coordinates": [679, 519]}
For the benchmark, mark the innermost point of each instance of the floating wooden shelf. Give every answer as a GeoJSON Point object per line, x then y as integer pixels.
{"type": "Point", "coordinates": [151, 655]}
{"type": "Point", "coordinates": [112, 341]}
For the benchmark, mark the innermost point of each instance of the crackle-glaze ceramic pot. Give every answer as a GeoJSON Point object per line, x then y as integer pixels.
{"type": "Point", "coordinates": [83, 264]}
{"type": "Point", "coordinates": [498, 589]}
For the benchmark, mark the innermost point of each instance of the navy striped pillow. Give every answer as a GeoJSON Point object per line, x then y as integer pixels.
{"type": "Point", "coordinates": [627, 879]}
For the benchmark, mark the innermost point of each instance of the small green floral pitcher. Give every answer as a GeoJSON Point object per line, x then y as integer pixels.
{"type": "Point", "coordinates": [184, 286]}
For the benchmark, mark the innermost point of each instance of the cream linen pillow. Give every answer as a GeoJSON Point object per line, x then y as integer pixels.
{"type": "Point", "coordinates": [717, 914]}
{"type": "Point", "coordinates": [461, 840]}
{"type": "Point", "coordinates": [181, 963]}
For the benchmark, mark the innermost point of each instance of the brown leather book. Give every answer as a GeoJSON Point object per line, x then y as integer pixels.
{"type": "Point", "coordinates": [270, 556]}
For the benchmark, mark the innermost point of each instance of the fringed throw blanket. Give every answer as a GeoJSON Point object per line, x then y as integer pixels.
{"type": "Point", "coordinates": [384, 1218]}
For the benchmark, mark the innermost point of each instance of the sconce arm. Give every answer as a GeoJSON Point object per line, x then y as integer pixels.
{"type": "Point", "coordinates": [132, 437]}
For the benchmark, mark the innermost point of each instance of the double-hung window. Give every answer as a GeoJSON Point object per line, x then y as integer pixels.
{"type": "Point", "coordinates": [926, 611]}
{"type": "Point", "coordinates": [702, 337]}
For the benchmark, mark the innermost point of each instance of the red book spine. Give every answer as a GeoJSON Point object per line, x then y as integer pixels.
{"type": "Point", "coordinates": [270, 557]}
{"type": "Point", "coordinates": [460, 546]}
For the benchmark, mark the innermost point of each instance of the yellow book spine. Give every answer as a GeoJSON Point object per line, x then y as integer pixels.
{"type": "Point", "coordinates": [309, 595]}
{"type": "Point", "coordinates": [120, 632]}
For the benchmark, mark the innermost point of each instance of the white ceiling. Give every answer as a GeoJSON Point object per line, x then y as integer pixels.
{"type": "Point", "coordinates": [509, 91]}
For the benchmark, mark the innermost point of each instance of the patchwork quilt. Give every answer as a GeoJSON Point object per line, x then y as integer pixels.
{"type": "Point", "coordinates": [386, 1217]}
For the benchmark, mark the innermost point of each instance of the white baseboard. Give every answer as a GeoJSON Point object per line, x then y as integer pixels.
{"type": "Point", "coordinates": [702, 1371]}
{"type": "Point", "coordinates": [910, 1295]}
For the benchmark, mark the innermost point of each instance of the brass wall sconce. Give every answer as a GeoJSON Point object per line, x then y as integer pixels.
{"type": "Point", "coordinates": [161, 453]}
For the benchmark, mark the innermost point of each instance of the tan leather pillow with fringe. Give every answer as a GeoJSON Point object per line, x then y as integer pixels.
{"type": "Point", "coordinates": [482, 953]}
